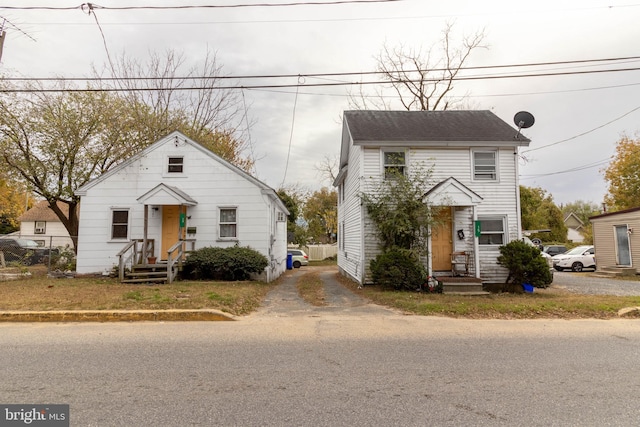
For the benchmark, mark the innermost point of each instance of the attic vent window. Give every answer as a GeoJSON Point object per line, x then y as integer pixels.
{"type": "Point", "coordinates": [281, 217]}
{"type": "Point", "coordinates": [175, 165]}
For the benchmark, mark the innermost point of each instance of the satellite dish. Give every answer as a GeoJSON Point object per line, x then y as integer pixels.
{"type": "Point", "coordinates": [523, 120]}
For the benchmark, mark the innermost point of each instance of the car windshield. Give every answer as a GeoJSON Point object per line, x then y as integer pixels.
{"type": "Point", "coordinates": [26, 243]}
{"type": "Point", "coordinates": [577, 251]}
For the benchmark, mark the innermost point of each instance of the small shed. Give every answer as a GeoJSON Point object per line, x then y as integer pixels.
{"type": "Point", "coordinates": [616, 238]}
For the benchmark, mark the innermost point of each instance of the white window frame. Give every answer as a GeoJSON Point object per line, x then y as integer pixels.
{"type": "Point", "coordinates": [280, 216]}
{"type": "Point", "coordinates": [220, 223]}
{"type": "Point", "coordinates": [386, 165]}
{"type": "Point", "coordinates": [42, 229]}
{"type": "Point", "coordinates": [501, 219]}
{"type": "Point", "coordinates": [169, 165]}
{"type": "Point", "coordinates": [112, 223]}
{"type": "Point", "coordinates": [482, 177]}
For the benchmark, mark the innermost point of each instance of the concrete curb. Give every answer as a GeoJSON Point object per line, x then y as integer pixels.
{"type": "Point", "coordinates": [114, 316]}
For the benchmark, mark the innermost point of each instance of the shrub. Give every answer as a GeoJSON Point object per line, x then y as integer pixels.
{"type": "Point", "coordinates": [525, 264]}
{"type": "Point", "coordinates": [233, 263]}
{"type": "Point", "coordinates": [398, 269]}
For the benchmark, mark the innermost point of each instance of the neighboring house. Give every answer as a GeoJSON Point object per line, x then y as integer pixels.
{"type": "Point", "coordinates": [474, 160]}
{"type": "Point", "coordinates": [41, 224]}
{"type": "Point", "coordinates": [178, 191]}
{"type": "Point", "coordinates": [574, 228]}
{"type": "Point", "coordinates": [616, 238]}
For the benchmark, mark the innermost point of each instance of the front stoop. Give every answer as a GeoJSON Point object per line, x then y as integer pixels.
{"type": "Point", "coordinates": [147, 273]}
{"type": "Point", "coordinates": [462, 285]}
{"type": "Point", "coordinates": [615, 271]}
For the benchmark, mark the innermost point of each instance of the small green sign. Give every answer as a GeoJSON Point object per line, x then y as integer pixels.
{"type": "Point", "coordinates": [477, 228]}
{"type": "Point", "coordinates": [183, 220]}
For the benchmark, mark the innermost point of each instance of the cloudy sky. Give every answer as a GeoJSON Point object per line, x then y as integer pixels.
{"type": "Point", "coordinates": [579, 114]}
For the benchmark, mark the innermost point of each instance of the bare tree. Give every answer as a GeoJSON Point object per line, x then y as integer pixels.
{"type": "Point", "coordinates": [327, 168]}
{"type": "Point", "coordinates": [419, 79]}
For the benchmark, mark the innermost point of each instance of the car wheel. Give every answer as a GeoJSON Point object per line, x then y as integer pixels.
{"type": "Point", "coordinates": [296, 264]}
{"type": "Point", "coordinates": [577, 266]}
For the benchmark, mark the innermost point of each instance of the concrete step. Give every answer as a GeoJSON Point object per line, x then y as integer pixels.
{"type": "Point", "coordinates": [617, 271]}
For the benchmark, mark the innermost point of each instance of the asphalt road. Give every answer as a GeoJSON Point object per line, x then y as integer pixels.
{"type": "Point", "coordinates": [347, 364]}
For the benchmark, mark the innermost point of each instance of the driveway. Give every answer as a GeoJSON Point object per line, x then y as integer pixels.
{"type": "Point", "coordinates": [284, 300]}
{"type": "Point", "coordinates": [587, 283]}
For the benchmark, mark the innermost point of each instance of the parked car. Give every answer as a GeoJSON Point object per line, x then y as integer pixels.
{"type": "Point", "coordinates": [576, 259]}
{"type": "Point", "coordinates": [24, 251]}
{"type": "Point", "coordinates": [554, 249]}
{"type": "Point", "coordinates": [299, 257]}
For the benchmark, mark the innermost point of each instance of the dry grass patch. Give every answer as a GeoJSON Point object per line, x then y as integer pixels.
{"type": "Point", "coordinates": [311, 288]}
{"type": "Point", "coordinates": [543, 303]}
{"type": "Point", "coordinates": [83, 293]}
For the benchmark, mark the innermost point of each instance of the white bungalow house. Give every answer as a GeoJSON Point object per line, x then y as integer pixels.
{"type": "Point", "coordinates": [42, 225]}
{"type": "Point", "coordinates": [473, 156]}
{"type": "Point", "coordinates": [172, 197]}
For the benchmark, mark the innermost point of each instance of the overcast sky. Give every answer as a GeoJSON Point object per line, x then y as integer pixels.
{"type": "Point", "coordinates": [579, 117]}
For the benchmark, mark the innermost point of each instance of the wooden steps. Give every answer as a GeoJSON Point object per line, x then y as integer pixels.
{"type": "Point", "coordinates": [147, 273]}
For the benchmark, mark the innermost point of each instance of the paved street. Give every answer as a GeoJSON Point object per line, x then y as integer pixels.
{"type": "Point", "coordinates": [347, 364]}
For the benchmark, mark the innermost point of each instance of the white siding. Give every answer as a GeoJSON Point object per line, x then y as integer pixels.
{"type": "Point", "coordinates": [209, 182]}
{"type": "Point", "coordinates": [56, 235]}
{"type": "Point", "coordinates": [499, 199]}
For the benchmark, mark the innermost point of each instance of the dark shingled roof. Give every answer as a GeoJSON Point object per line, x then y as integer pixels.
{"type": "Point", "coordinates": [417, 126]}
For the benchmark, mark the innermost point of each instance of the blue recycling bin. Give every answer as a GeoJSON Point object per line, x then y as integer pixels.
{"type": "Point", "coordinates": [289, 261]}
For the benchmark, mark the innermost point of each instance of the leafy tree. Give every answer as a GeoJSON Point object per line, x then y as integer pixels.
{"type": "Point", "coordinates": [58, 141]}
{"type": "Point", "coordinates": [420, 79]}
{"type": "Point", "coordinates": [623, 175]}
{"type": "Point", "coordinates": [399, 211]}
{"type": "Point", "coordinates": [293, 198]}
{"type": "Point", "coordinates": [538, 212]}
{"type": "Point", "coordinates": [320, 213]}
{"type": "Point", "coordinates": [14, 201]}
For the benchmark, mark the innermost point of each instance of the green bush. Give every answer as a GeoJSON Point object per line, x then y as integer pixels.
{"type": "Point", "coordinates": [233, 263]}
{"type": "Point", "coordinates": [398, 269]}
{"type": "Point", "coordinates": [525, 264]}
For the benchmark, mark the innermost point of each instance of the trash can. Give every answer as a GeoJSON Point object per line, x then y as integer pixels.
{"type": "Point", "coordinates": [289, 261]}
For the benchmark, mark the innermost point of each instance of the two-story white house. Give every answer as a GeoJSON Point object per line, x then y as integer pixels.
{"type": "Point", "coordinates": [473, 158]}
{"type": "Point", "coordinates": [173, 195]}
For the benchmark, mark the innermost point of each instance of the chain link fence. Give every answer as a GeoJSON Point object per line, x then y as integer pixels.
{"type": "Point", "coordinates": [26, 250]}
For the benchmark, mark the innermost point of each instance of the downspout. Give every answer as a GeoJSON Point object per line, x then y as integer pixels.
{"type": "Point", "coordinates": [517, 179]}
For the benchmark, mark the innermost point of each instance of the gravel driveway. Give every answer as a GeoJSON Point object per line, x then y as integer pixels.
{"type": "Point", "coordinates": [587, 283]}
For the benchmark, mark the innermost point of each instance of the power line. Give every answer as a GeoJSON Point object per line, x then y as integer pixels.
{"type": "Point", "coordinates": [204, 6]}
{"type": "Point", "coordinates": [575, 169]}
{"type": "Point", "coordinates": [329, 84]}
{"type": "Point", "coordinates": [340, 74]}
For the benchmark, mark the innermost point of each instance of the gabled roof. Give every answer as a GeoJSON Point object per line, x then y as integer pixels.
{"type": "Point", "coordinates": [430, 126]}
{"type": "Point", "coordinates": [451, 192]}
{"type": "Point", "coordinates": [163, 194]}
{"type": "Point", "coordinates": [180, 138]}
{"type": "Point", "coordinates": [42, 212]}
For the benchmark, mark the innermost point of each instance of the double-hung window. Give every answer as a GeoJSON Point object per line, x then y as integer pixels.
{"type": "Point", "coordinates": [228, 223]}
{"type": "Point", "coordinates": [119, 223]}
{"type": "Point", "coordinates": [394, 163]}
{"type": "Point", "coordinates": [492, 231]}
{"type": "Point", "coordinates": [485, 166]}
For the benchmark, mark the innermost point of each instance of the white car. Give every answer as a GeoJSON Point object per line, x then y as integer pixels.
{"type": "Point", "coordinates": [576, 259]}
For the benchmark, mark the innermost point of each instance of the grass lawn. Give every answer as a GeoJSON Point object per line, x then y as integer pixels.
{"type": "Point", "coordinates": [41, 293]}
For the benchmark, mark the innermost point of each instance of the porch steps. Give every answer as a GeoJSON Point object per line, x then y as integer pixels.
{"type": "Point", "coordinates": [614, 271]}
{"type": "Point", "coordinates": [146, 273]}
{"type": "Point", "coordinates": [454, 285]}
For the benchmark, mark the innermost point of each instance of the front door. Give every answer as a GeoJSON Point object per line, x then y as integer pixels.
{"type": "Point", "coordinates": [170, 228]}
{"type": "Point", "coordinates": [442, 241]}
{"type": "Point", "coordinates": [623, 250]}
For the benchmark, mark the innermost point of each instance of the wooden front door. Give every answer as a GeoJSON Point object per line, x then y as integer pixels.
{"type": "Point", "coordinates": [170, 228]}
{"type": "Point", "coordinates": [442, 241]}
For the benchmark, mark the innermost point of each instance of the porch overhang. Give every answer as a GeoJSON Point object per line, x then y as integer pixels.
{"type": "Point", "coordinates": [452, 192]}
{"type": "Point", "coordinates": [163, 194]}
